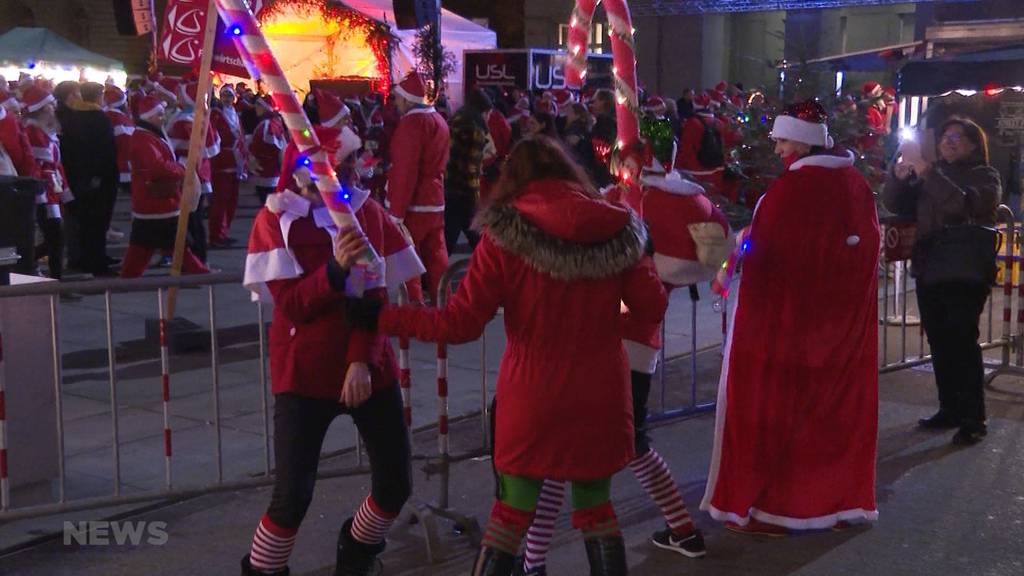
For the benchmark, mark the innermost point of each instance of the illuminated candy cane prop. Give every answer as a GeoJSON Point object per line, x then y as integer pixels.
{"type": "Point", "coordinates": [253, 48]}
{"type": "Point", "coordinates": [627, 106]}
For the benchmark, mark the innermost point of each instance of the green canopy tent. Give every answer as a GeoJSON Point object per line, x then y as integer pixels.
{"type": "Point", "coordinates": [42, 52]}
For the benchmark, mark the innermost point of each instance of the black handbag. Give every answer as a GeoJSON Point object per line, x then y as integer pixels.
{"type": "Point", "coordinates": [964, 253]}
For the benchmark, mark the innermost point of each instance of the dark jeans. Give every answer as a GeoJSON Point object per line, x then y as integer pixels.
{"type": "Point", "coordinates": [950, 314]}
{"type": "Point", "coordinates": [197, 229]}
{"type": "Point", "coordinates": [300, 424]}
{"type": "Point", "coordinates": [459, 210]}
{"type": "Point", "coordinates": [53, 239]}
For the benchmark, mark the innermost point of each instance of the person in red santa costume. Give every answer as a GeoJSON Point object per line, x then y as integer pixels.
{"type": "Point", "coordinates": [563, 400]}
{"type": "Point", "coordinates": [156, 194]}
{"type": "Point", "coordinates": [179, 131]}
{"type": "Point", "coordinates": [115, 104]}
{"type": "Point", "coordinates": [325, 360]}
{"type": "Point", "coordinates": [268, 142]}
{"type": "Point", "coordinates": [14, 140]}
{"type": "Point", "coordinates": [691, 240]}
{"type": "Point", "coordinates": [797, 420]}
{"type": "Point", "coordinates": [228, 167]}
{"type": "Point", "coordinates": [877, 114]}
{"type": "Point", "coordinates": [41, 128]}
{"type": "Point", "coordinates": [702, 147]}
{"type": "Point", "coordinates": [415, 198]}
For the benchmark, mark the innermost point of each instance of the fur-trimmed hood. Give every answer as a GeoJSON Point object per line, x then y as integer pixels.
{"type": "Point", "coordinates": [561, 232]}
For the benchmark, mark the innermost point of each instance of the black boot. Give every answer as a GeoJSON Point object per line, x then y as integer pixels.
{"type": "Point", "coordinates": [248, 570]}
{"type": "Point", "coordinates": [493, 562]}
{"type": "Point", "coordinates": [356, 558]}
{"type": "Point", "coordinates": [607, 556]}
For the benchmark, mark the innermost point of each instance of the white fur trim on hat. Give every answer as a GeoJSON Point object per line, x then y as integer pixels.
{"type": "Point", "coordinates": [792, 128]}
{"type": "Point", "coordinates": [350, 142]}
{"type": "Point", "coordinates": [36, 106]}
{"type": "Point", "coordinates": [408, 96]}
{"type": "Point", "coordinates": [152, 111]}
{"type": "Point", "coordinates": [343, 112]}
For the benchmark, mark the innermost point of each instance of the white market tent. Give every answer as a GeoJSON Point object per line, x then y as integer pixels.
{"type": "Point", "coordinates": [309, 47]}
{"type": "Point", "coordinates": [42, 52]}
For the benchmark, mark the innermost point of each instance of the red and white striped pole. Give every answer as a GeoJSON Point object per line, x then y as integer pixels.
{"type": "Point", "coordinates": [5, 489]}
{"type": "Point", "coordinates": [165, 380]}
{"type": "Point", "coordinates": [252, 47]}
{"type": "Point", "coordinates": [442, 399]}
{"type": "Point", "coordinates": [405, 380]}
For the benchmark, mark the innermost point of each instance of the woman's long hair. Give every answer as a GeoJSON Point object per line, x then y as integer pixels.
{"type": "Point", "coordinates": [538, 158]}
{"type": "Point", "coordinates": [972, 131]}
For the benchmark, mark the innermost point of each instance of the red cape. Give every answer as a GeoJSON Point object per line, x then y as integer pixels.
{"type": "Point", "coordinates": [797, 420]}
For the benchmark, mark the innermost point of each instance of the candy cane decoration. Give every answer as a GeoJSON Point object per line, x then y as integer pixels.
{"type": "Point", "coordinates": [627, 107]}
{"type": "Point", "coordinates": [253, 48]}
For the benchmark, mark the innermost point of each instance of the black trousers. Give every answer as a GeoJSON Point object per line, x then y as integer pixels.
{"type": "Point", "coordinates": [91, 211]}
{"type": "Point", "coordinates": [53, 238]}
{"type": "Point", "coordinates": [950, 314]}
{"type": "Point", "coordinates": [459, 210]}
{"type": "Point", "coordinates": [197, 229]}
{"type": "Point", "coordinates": [300, 425]}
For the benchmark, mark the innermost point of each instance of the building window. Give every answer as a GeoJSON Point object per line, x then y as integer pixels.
{"type": "Point", "coordinates": [596, 41]}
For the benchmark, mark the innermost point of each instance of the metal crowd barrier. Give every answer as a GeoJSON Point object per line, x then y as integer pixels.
{"type": "Point", "coordinates": [1009, 339]}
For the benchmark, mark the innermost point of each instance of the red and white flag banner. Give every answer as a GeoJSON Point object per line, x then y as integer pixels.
{"type": "Point", "coordinates": [181, 40]}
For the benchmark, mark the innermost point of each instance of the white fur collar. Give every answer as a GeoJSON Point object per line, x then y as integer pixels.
{"type": "Point", "coordinates": [423, 110]}
{"type": "Point", "coordinates": [296, 205]}
{"type": "Point", "coordinates": [673, 183]}
{"type": "Point", "coordinates": [825, 161]}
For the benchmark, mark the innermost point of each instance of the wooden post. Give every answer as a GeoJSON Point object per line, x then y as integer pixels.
{"type": "Point", "coordinates": [196, 143]}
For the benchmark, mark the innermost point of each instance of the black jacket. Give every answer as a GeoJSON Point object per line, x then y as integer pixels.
{"type": "Point", "coordinates": [88, 151]}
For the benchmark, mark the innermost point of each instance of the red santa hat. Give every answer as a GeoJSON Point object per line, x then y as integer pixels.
{"type": "Point", "coordinates": [890, 92]}
{"type": "Point", "coordinates": [722, 86]}
{"type": "Point", "coordinates": [349, 143]}
{"type": "Point", "coordinates": [872, 89]}
{"type": "Point", "coordinates": [655, 105]}
{"type": "Point", "coordinates": [412, 88]}
{"type": "Point", "coordinates": [803, 122]}
{"type": "Point", "coordinates": [113, 97]}
{"type": "Point", "coordinates": [717, 97]}
{"type": "Point", "coordinates": [150, 106]}
{"type": "Point", "coordinates": [167, 87]}
{"type": "Point", "coordinates": [562, 97]}
{"type": "Point", "coordinates": [332, 109]}
{"type": "Point", "coordinates": [35, 98]}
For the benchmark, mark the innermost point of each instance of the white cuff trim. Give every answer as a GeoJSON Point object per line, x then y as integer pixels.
{"type": "Point", "coordinates": [402, 266]}
{"type": "Point", "coordinates": [263, 267]}
{"type": "Point", "coordinates": [643, 359]}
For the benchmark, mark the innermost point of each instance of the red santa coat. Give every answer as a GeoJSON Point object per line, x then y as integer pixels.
{"type": "Point", "coordinates": [289, 249]}
{"type": "Point", "coordinates": [876, 128]}
{"type": "Point", "coordinates": [226, 124]}
{"type": "Point", "coordinates": [419, 155]}
{"type": "Point", "coordinates": [179, 133]}
{"type": "Point", "coordinates": [156, 175]}
{"type": "Point", "coordinates": [712, 177]}
{"type": "Point", "coordinates": [501, 133]}
{"type": "Point", "coordinates": [46, 151]}
{"type": "Point", "coordinates": [123, 128]}
{"type": "Point", "coordinates": [15, 142]}
{"type": "Point", "coordinates": [797, 417]}
{"type": "Point", "coordinates": [679, 217]}
{"type": "Point", "coordinates": [268, 140]}
{"type": "Point", "coordinates": [559, 263]}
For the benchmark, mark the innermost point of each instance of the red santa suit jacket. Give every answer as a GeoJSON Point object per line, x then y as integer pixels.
{"type": "Point", "coordinates": [311, 345]}
{"type": "Point", "coordinates": [876, 128]}
{"type": "Point", "coordinates": [267, 143]}
{"type": "Point", "coordinates": [15, 142]}
{"type": "Point", "coordinates": [228, 127]}
{"type": "Point", "coordinates": [689, 147]}
{"type": "Point", "coordinates": [123, 128]}
{"type": "Point", "coordinates": [179, 133]}
{"type": "Point", "coordinates": [46, 151]}
{"type": "Point", "coordinates": [797, 419]}
{"type": "Point", "coordinates": [559, 263]}
{"type": "Point", "coordinates": [419, 156]}
{"type": "Point", "coordinates": [156, 175]}
{"type": "Point", "coordinates": [682, 222]}
{"type": "Point", "coordinates": [501, 133]}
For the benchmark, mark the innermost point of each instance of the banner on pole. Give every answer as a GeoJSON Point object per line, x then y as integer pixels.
{"type": "Point", "coordinates": [181, 39]}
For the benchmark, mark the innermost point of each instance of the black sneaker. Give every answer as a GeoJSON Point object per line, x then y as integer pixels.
{"type": "Point", "coordinates": [939, 421]}
{"type": "Point", "coordinates": [691, 546]}
{"type": "Point", "coordinates": [970, 435]}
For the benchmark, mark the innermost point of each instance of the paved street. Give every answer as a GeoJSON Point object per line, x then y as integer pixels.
{"type": "Point", "coordinates": [943, 511]}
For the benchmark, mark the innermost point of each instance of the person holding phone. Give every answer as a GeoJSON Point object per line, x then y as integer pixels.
{"type": "Point", "coordinates": [960, 186]}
